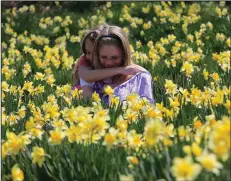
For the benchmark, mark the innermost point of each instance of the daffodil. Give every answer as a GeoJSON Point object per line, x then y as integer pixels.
{"type": "Point", "coordinates": [170, 87]}
{"type": "Point", "coordinates": [121, 123]}
{"type": "Point", "coordinates": [4, 149]}
{"type": "Point", "coordinates": [152, 113]}
{"type": "Point", "coordinates": [196, 149]}
{"type": "Point", "coordinates": [56, 136]}
{"type": "Point", "coordinates": [130, 115]}
{"type": "Point", "coordinates": [5, 86]}
{"type": "Point", "coordinates": [133, 160]}
{"type": "Point", "coordinates": [187, 68]}
{"type": "Point", "coordinates": [12, 119]}
{"type": "Point", "coordinates": [50, 80]}
{"type": "Point", "coordinates": [153, 132]}
{"type": "Point", "coordinates": [38, 155]}
{"type": "Point", "coordinates": [99, 124]}
{"type": "Point", "coordinates": [209, 162]}
{"type": "Point", "coordinates": [22, 112]}
{"type": "Point", "coordinates": [96, 97]}
{"type": "Point", "coordinates": [14, 143]}
{"type": "Point", "coordinates": [185, 168]}
{"type": "Point", "coordinates": [39, 76]}
{"type": "Point", "coordinates": [219, 140]}
{"type": "Point", "coordinates": [110, 138]}
{"type": "Point", "coordinates": [134, 139]}
{"type": "Point", "coordinates": [108, 90]}
{"type": "Point", "coordinates": [16, 173]}
{"type": "Point", "coordinates": [197, 123]}
{"type": "Point", "coordinates": [27, 69]}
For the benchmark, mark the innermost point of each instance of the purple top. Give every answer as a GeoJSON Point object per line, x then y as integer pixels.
{"type": "Point", "coordinates": [141, 84]}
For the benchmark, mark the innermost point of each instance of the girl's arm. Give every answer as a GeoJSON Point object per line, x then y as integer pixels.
{"type": "Point", "coordinates": [90, 75]}
{"type": "Point", "coordinates": [87, 91]}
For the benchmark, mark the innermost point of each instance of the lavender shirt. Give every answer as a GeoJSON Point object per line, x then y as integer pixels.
{"type": "Point", "coordinates": [141, 84]}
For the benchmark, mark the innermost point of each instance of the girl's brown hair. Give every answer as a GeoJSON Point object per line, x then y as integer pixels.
{"type": "Point", "coordinates": [91, 35]}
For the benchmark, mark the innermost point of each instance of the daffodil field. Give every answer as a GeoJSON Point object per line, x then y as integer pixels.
{"type": "Point", "coordinates": [50, 133]}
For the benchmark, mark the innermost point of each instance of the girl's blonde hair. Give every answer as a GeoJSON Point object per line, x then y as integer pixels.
{"type": "Point", "coordinates": [91, 35]}
{"type": "Point", "coordinates": [113, 35]}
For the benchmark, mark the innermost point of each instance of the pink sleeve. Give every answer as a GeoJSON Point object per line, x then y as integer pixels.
{"type": "Point", "coordinates": [83, 62]}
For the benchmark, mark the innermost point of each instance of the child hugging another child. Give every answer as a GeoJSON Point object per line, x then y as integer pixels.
{"type": "Point", "coordinates": [112, 49]}
{"type": "Point", "coordinates": [84, 73]}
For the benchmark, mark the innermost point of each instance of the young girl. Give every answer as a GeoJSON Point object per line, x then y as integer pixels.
{"type": "Point", "coordinates": [84, 75]}
{"type": "Point", "coordinates": [113, 50]}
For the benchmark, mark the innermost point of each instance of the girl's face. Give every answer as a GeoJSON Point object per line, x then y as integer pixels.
{"type": "Point", "coordinates": [110, 56]}
{"type": "Point", "coordinates": [89, 47]}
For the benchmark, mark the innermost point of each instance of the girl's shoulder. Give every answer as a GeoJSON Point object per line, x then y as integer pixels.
{"type": "Point", "coordinates": [136, 79]}
{"type": "Point", "coordinates": [142, 69]}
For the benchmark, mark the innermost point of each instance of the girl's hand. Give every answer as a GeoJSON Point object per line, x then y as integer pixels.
{"type": "Point", "coordinates": [130, 70]}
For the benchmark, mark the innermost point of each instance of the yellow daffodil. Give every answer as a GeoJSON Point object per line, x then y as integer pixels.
{"type": "Point", "coordinates": [16, 173]}
{"type": "Point", "coordinates": [219, 140]}
{"type": "Point", "coordinates": [170, 87]}
{"type": "Point", "coordinates": [56, 136]}
{"type": "Point", "coordinates": [153, 132]}
{"type": "Point", "coordinates": [134, 139]}
{"type": "Point", "coordinates": [110, 138]}
{"type": "Point", "coordinates": [185, 168]}
{"type": "Point", "coordinates": [209, 162]}
{"type": "Point", "coordinates": [133, 160]}
{"type": "Point", "coordinates": [38, 155]}
{"type": "Point", "coordinates": [108, 90]}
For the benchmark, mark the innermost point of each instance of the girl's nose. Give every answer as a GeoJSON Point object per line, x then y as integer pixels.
{"type": "Point", "coordinates": [109, 63]}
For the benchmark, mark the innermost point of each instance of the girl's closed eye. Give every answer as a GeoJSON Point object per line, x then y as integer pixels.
{"type": "Point", "coordinates": [115, 58]}
{"type": "Point", "coordinates": [104, 57]}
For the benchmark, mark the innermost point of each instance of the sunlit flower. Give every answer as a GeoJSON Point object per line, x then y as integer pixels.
{"type": "Point", "coordinates": [152, 113]}
{"type": "Point", "coordinates": [38, 155]}
{"type": "Point", "coordinates": [187, 68]}
{"type": "Point", "coordinates": [121, 123]}
{"type": "Point", "coordinates": [133, 160]}
{"type": "Point", "coordinates": [14, 143]}
{"type": "Point", "coordinates": [153, 132]}
{"type": "Point", "coordinates": [209, 162]}
{"type": "Point", "coordinates": [146, 10]}
{"type": "Point", "coordinates": [110, 138]}
{"type": "Point", "coordinates": [197, 123]}
{"type": "Point", "coordinates": [196, 150]}
{"type": "Point", "coordinates": [99, 124]}
{"type": "Point", "coordinates": [56, 136]}
{"type": "Point", "coordinates": [108, 4]}
{"type": "Point", "coordinates": [95, 97]}
{"type": "Point", "coordinates": [16, 173]}
{"type": "Point", "coordinates": [50, 80]}
{"type": "Point", "coordinates": [32, 8]}
{"type": "Point", "coordinates": [170, 87]}
{"type": "Point", "coordinates": [130, 115]}
{"type": "Point", "coordinates": [108, 90]}
{"type": "Point", "coordinates": [39, 76]}
{"type": "Point", "coordinates": [22, 112]}
{"type": "Point", "coordinates": [185, 169]}
{"type": "Point", "coordinates": [219, 140]}
{"type": "Point", "coordinates": [12, 119]}
{"type": "Point", "coordinates": [134, 139]}
{"type": "Point", "coordinates": [5, 86]}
